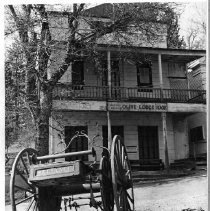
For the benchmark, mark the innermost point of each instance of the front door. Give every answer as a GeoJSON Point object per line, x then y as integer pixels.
{"type": "Point", "coordinates": [148, 142]}
{"type": "Point", "coordinates": [78, 144]}
{"type": "Point", "coordinates": [116, 130]}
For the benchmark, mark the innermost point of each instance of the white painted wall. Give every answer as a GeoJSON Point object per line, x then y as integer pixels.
{"type": "Point", "coordinates": [130, 121]}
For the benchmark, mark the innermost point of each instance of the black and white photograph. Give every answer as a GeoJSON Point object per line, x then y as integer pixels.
{"type": "Point", "coordinates": [105, 106]}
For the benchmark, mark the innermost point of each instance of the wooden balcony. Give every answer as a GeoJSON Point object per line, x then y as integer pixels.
{"type": "Point", "coordinates": [128, 94]}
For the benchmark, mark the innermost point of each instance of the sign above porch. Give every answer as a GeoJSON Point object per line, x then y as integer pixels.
{"type": "Point", "coordinates": [82, 105]}
{"type": "Point", "coordinates": [112, 106]}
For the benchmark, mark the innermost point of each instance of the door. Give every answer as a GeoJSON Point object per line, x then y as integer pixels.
{"type": "Point", "coordinates": [116, 130]}
{"type": "Point", "coordinates": [148, 142]}
{"type": "Point", "coordinates": [78, 144]}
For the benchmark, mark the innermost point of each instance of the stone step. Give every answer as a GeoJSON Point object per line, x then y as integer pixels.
{"type": "Point", "coordinates": [157, 176]}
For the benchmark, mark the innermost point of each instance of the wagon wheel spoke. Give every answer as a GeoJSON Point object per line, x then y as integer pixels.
{"type": "Point", "coordinates": [26, 199]}
{"type": "Point", "coordinates": [24, 165]}
{"type": "Point", "coordinates": [29, 206]}
{"type": "Point", "coordinates": [118, 170]}
{"type": "Point", "coordinates": [35, 206]}
{"type": "Point", "coordinates": [24, 179]}
{"type": "Point", "coordinates": [24, 189]}
{"type": "Point", "coordinates": [129, 197]}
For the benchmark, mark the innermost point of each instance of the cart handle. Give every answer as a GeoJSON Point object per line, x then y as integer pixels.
{"type": "Point", "coordinates": [64, 155]}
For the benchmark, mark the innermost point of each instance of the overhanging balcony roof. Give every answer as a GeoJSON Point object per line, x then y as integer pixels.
{"type": "Point", "coordinates": [170, 55]}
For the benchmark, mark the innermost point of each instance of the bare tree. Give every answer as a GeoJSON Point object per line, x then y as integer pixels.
{"type": "Point", "coordinates": [39, 47]}
{"type": "Point", "coordinates": [196, 31]}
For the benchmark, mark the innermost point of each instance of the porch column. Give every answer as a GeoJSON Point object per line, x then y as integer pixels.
{"type": "Point", "coordinates": [188, 83]}
{"type": "Point", "coordinates": [109, 96]}
{"type": "Point", "coordinates": [160, 70]}
{"type": "Point", "coordinates": [163, 114]}
{"type": "Point", "coordinates": [109, 72]}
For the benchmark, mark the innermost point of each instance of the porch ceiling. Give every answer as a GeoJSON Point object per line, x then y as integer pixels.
{"type": "Point", "coordinates": [168, 55]}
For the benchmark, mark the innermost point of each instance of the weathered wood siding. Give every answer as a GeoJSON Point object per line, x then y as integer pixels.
{"type": "Point", "coordinates": [95, 120]}
{"type": "Point", "coordinates": [128, 73]}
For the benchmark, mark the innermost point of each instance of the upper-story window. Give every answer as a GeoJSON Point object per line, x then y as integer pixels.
{"type": "Point", "coordinates": [144, 74]}
{"type": "Point", "coordinates": [78, 73]}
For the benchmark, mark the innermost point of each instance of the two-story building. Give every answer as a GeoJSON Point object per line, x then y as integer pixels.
{"type": "Point", "coordinates": [147, 102]}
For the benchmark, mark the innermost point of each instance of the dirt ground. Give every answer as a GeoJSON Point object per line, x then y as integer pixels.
{"type": "Point", "coordinates": [169, 195]}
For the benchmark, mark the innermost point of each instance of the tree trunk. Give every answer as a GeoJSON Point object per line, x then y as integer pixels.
{"type": "Point", "coordinates": [42, 142]}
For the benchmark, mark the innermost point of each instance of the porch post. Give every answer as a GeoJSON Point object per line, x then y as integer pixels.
{"type": "Point", "coordinates": [188, 82]}
{"type": "Point", "coordinates": [109, 96]}
{"type": "Point", "coordinates": [160, 70]}
{"type": "Point", "coordinates": [163, 115]}
{"type": "Point", "coordinates": [109, 72]}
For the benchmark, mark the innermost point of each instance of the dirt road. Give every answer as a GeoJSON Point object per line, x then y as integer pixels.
{"type": "Point", "coordinates": [173, 195]}
{"type": "Point", "coordinates": [170, 195]}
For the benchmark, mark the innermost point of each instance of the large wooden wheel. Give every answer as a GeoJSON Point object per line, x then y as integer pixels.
{"type": "Point", "coordinates": [121, 176]}
{"type": "Point", "coordinates": [22, 192]}
{"type": "Point", "coordinates": [107, 195]}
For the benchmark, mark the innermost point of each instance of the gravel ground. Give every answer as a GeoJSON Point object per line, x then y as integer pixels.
{"type": "Point", "coordinates": [169, 195]}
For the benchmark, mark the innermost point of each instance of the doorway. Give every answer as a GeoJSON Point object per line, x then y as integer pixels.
{"type": "Point", "coordinates": [148, 143]}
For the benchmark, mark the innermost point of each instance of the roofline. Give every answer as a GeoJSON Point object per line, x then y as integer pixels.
{"type": "Point", "coordinates": [151, 50]}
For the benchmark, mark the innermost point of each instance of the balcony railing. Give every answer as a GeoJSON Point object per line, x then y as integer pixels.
{"type": "Point", "coordinates": [69, 92]}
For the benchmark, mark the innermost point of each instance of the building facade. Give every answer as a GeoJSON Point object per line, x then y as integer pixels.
{"type": "Point", "coordinates": [148, 103]}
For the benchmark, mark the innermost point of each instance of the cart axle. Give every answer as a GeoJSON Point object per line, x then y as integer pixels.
{"type": "Point", "coordinates": [64, 155]}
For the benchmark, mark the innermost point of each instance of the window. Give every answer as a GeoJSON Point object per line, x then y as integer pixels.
{"type": "Point", "coordinates": [144, 74]}
{"type": "Point", "coordinates": [78, 73]}
{"type": "Point", "coordinates": [196, 134]}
